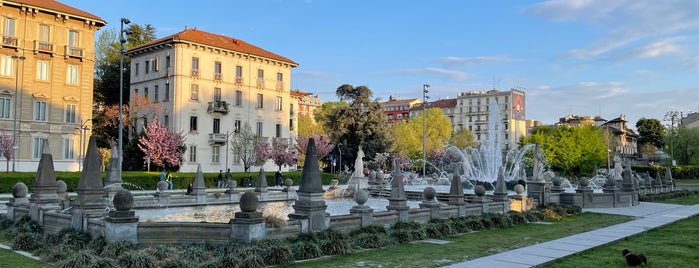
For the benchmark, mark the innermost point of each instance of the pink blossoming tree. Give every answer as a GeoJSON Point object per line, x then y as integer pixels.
{"type": "Point", "coordinates": [282, 152]}
{"type": "Point", "coordinates": [164, 145]}
{"type": "Point", "coordinates": [7, 147]}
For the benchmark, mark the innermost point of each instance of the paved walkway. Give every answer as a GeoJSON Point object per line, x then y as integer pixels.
{"type": "Point", "coordinates": [649, 216]}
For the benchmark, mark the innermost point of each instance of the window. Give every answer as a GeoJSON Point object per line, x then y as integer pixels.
{"type": "Point", "coordinates": [279, 130]}
{"type": "Point", "coordinates": [215, 152]}
{"type": "Point", "coordinates": [217, 70]}
{"type": "Point", "coordinates": [195, 66]}
{"type": "Point", "coordinates": [217, 94]}
{"type": "Point", "coordinates": [291, 108]}
{"type": "Point", "coordinates": [135, 91]}
{"type": "Point", "coordinates": [238, 98]}
{"type": "Point", "coordinates": [217, 126]}
{"type": "Point", "coordinates": [239, 72]}
{"type": "Point", "coordinates": [70, 113]}
{"type": "Point", "coordinates": [73, 38]}
{"type": "Point", "coordinates": [44, 33]}
{"type": "Point", "coordinates": [72, 75]}
{"type": "Point", "coordinates": [42, 70]}
{"type": "Point", "coordinates": [135, 69]}
{"type": "Point", "coordinates": [9, 29]}
{"type": "Point", "coordinates": [236, 126]}
{"type": "Point", "coordinates": [5, 107]}
{"type": "Point", "coordinates": [156, 90]}
{"type": "Point", "coordinates": [145, 93]}
{"type": "Point", "coordinates": [193, 124]}
{"type": "Point", "coordinates": [156, 65]}
{"type": "Point", "coordinates": [7, 64]}
{"type": "Point", "coordinates": [192, 153]}
{"type": "Point", "coordinates": [166, 120]}
{"type": "Point", "coordinates": [39, 110]}
{"type": "Point", "coordinates": [38, 144]}
{"type": "Point", "coordinates": [167, 62]}
{"type": "Point", "coordinates": [260, 78]}
{"type": "Point", "coordinates": [279, 104]}
{"type": "Point", "coordinates": [194, 92]}
{"type": "Point", "coordinates": [260, 101]}
{"type": "Point", "coordinates": [147, 65]}
{"type": "Point", "coordinates": [68, 149]}
{"type": "Point", "coordinates": [280, 77]}
{"type": "Point", "coordinates": [259, 129]}
{"type": "Point", "coordinates": [167, 92]}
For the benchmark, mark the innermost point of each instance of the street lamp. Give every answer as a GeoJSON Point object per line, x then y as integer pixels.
{"type": "Point", "coordinates": [228, 137]}
{"type": "Point", "coordinates": [122, 50]}
{"type": "Point", "coordinates": [424, 118]}
{"type": "Point", "coordinates": [82, 130]}
{"type": "Point", "coordinates": [14, 131]}
{"type": "Point", "coordinates": [339, 151]}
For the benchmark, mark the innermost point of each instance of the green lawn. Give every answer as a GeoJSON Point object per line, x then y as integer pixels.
{"type": "Point", "coordinates": [675, 245]}
{"type": "Point", "coordinates": [11, 259]}
{"type": "Point", "coordinates": [469, 246]}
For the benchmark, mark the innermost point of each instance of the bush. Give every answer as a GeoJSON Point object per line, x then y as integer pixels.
{"type": "Point", "coordinates": [304, 250]}
{"type": "Point", "coordinates": [228, 247]}
{"type": "Point", "coordinates": [474, 223]}
{"type": "Point", "coordinates": [517, 217]}
{"type": "Point", "coordinates": [78, 259]}
{"type": "Point", "coordinates": [334, 243]}
{"type": "Point", "coordinates": [417, 231]}
{"type": "Point", "coordinates": [225, 261]}
{"type": "Point", "coordinates": [276, 252]}
{"type": "Point", "coordinates": [460, 224]}
{"type": "Point", "coordinates": [70, 237]}
{"type": "Point", "coordinates": [433, 231]}
{"type": "Point", "coordinates": [535, 215]}
{"type": "Point", "coordinates": [250, 258]}
{"type": "Point", "coordinates": [445, 226]}
{"type": "Point", "coordinates": [195, 253]}
{"type": "Point", "coordinates": [27, 241]}
{"type": "Point", "coordinates": [137, 259]}
{"type": "Point", "coordinates": [113, 250]}
{"type": "Point", "coordinates": [373, 240]}
{"type": "Point", "coordinates": [27, 225]}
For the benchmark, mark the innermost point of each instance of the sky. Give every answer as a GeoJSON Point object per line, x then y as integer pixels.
{"type": "Point", "coordinates": [583, 57]}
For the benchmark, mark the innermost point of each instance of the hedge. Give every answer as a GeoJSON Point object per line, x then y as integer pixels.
{"type": "Point", "coordinates": [678, 172]}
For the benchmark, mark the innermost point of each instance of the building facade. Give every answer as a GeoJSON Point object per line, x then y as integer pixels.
{"type": "Point", "coordinates": [624, 138]}
{"type": "Point", "coordinates": [46, 81]}
{"type": "Point", "coordinates": [210, 86]}
{"type": "Point", "coordinates": [398, 110]}
{"type": "Point", "coordinates": [473, 110]}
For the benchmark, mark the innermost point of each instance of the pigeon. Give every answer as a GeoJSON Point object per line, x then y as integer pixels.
{"type": "Point", "coordinates": [634, 259]}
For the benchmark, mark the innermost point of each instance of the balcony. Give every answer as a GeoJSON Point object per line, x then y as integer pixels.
{"type": "Point", "coordinates": [215, 138]}
{"type": "Point", "coordinates": [44, 47]}
{"type": "Point", "coordinates": [239, 81]}
{"type": "Point", "coordinates": [217, 77]}
{"type": "Point", "coordinates": [10, 41]}
{"type": "Point", "coordinates": [217, 107]}
{"type": "Point", "coordinates": [260, 83]}
{"type": "Point", "coordinates": [195, 73]}
{"type": "Point", "coordinates": [280, 86]}
{"type": "Point", "coordinates": [74, 52]}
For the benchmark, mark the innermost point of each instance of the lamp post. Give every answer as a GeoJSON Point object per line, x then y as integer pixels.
{"type": "Point", "coordinates": [122, 50]}
{"type": "Point", "coordinates": [14, 130]}
{"type": "Point", "coordinates": [339, 151]}
{"type": "Point", "coordinates": [228, 137]}
{"type": "Point", "coordinates": [424, 118]}
{"type": "Point", "coordinates": [82, 130]}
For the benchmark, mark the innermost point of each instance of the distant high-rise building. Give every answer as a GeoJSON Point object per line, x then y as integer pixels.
{"type": "Point", "coordinates": [210, 85]}
{"type": "Point", "coordinates": [473, 109]}
{"type": "Point", "coordinates": [47, 61]}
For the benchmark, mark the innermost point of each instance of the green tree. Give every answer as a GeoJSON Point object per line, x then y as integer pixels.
{"type": "Point", "coordinates": [406, 141]}
{"type": "Point", "coordinates": [308, 127]}
{"type": "Point", "coordinates": [362, 122]}
{"type": "Point", "coordinates": [321, 114]}
{"type": "Point", "coordinates": [650, 131]}
{"type": "Point", "coordinates": [462, 139]}
{"type": "Point", "coordinates": [683, 145]}
{"type": "Point", "coordinates": [571, 150]}
{"type": "Point", "coordinates": [244, 146]}
{"type": "Point", "coordinates": [408, 136]}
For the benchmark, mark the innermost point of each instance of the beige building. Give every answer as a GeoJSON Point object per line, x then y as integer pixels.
{"type": "Point", "coordinates": [46, 80]}
{"type": "Point", "coordinates": [302, 104]}
{"type": "Point", "coordinates": [474, 109]}
{"type": "Point", "coordinates": [209, 85]}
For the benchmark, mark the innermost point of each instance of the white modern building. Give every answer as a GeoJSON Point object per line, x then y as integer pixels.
{"type": "Point", "coordinates": [473, 109]}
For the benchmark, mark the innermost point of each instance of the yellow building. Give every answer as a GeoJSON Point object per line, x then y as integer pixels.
{"type": "Point", "coordinates": [209, 85]}
{"type": "Point", "coordinates": [46, 77]}
{"type": "Point", "coordinates": [473, 112]}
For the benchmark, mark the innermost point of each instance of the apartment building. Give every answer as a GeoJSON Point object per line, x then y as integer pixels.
{"type": "Point", "coordinates": [302, 104]}
{"type": "Point", "coordinates": [397, 110]}
{"type": "Point", "coordinates": [46, 80]}
{"type": "Point", "coordinates": [625, 139]}
{"type": "Point", "coordinates": [209, 86]}
{"type": "Point", "coordinates": [474, 110]}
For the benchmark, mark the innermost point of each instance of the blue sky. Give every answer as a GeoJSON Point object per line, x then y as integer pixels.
{"type": "Point", "coordinates": [587, 57]}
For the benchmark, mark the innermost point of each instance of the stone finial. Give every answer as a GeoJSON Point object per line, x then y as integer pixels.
{"type": "Point", "coordinates": [361, 196]}
{"type": "Point", "coordinates": [288, 182]}
{"type": "Point", "coordinates": [113, 169]}
{"type": "Point", "coordinates": [198, 186]}
{"type": "Point", "coordinates": [45, 188]}
{"type": "Point", "coordinates": [61, 187]}
{"type": "Point", "coordinates": [310, 175]}
{"type": "Point", "coordinates": [123, 200]}
{"type": "Point", "coordinates": [479, 191]}
{"type": "Point", "coordinates": [261, 184]}
{"type": "Point", "coordinates": [668, 175]}
{"type": "Point", "coordinates": [91, 177]}
{"type": "Point", "coordinates": [429, 193]}
{"type": "Point", "coordinates": [20, 190]}
{"type": "Point", "coordinates": [500, 186]}
{"type": "Point", "coordinates": [519, 189]}
{"type": "Point", "coordinates": [249, 202]}
{"type": "Point", "coordinates": [161, 186]}
{"type": "Point", "coordinates": [556, 181]}
{"type": "Point", "coordinates": [456, 188]}
{"type": "Point", "coordinates": [397, 185]}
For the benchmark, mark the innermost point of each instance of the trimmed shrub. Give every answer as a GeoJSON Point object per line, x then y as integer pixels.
{"type": "Point", "coordinates": [71, 237]}
{"type": "Point", "coordinates": [228, 247]}
{"type": "Point", "coordinates": [276, 252]}
{"type": "Point", "coordinates": [535, 215]}
{"type": "Point", "coordinates": [433, 230]}
{"type": "Point", "coordinates": [116, 249]}
{"type": "Point", "coordinates": [78, 259]}
{"type": "Point", "coordinates": [27, 241]}
{"type": "Point", "coordinates": [373, 240]}
{"type": "Point", "coordinates": [517, 217]}
{"type": "Point", "coordinates": [304, 250]}
{"type": "Point", "coordinates": [250, 258]}
{"type": "Point", "coordinates": [445, 226]}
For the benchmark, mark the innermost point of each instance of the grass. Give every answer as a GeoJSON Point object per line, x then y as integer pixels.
{"type": "Point", "coordinates": [11, 259]}
{"type": "Point", "coordinates": [668, 246]}
{"type": "Point", "coordinates": [686, 200]}
{"type": "Point", "coordinates": [470, 245]}
{"type": "Point", "coordinates": [687, 183]}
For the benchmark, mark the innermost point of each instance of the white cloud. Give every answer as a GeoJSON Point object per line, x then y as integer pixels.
{"type": "Point", "coordinates": [475, 60]}
{"type": "Point", "coordinates": [449, 74]}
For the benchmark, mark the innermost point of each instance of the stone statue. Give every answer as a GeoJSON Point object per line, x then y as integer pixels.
{"type": "Point", "coordinates": [359, 164]}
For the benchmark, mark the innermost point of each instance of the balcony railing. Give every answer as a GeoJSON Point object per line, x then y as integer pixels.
{"type": "Point", "coordinates": [217, 77]}
{"type": "Point", "coordinates": [217, 138]}
{"type": "Point", "coordinates": [42, 46]}
{"type": "Point", "coordinates": [74, 52]}
{"type": "Point", "coordinates": [260, 83]}
{"type": "Point", "coordinates": [280, 86]}
{"type": "Point", "coordinates": [10, 41]}
{"type": "Point", "coordinates": [238, 80]}
{"type": "Point", "coordinates": [195, 73]}
{"type": "Point", "coordinates": [217, 107]}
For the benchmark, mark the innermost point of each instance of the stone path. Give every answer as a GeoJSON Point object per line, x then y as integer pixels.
{"type": "Point", "coordinates": [649, 216]}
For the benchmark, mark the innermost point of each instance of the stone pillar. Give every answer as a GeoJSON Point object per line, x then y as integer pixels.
{"type": "Point", "coordinates": [45, 196]}
{"type": "Point", "coordinates": [121, 224]}
{"type": "Point", "coordinates": [586, 192]}
{"type": "Point", "coordinates": [261, 185]}
{"type": "Point", "coordinates": [500, 193]}
{"type": "Point", "coordinates": [456, 194]}
{"type": "Point", "coordinates": [199, 188]}
{"type": "Point", "coordinates": [233, 194]}
{"type": "Point", "coordinates": [310, 207]}
{"type": "Point", "coordinates": [398, 201]}
{"type": "Point", "coordinates": [556, 186]}
{"type": "Point", "coordinates": [290, 191]}
{"type": "Point", "coordinates": [539, 190]}
{"type": "Point", "coordinates": [365, 213]}
{"type": "Point", "coordinates": [430, 203]}
{"type": "Point", "coordinates": [481, 199]}
{"type": "Point", "coordinates": [113, 180]}
{"type": "Point", "coordinates": [248, 224]}
{"type": "Point", "coordinates": [161, 196]}
{"type": "Point", "coordinates": [19, 199]}
{"type": "Point", "coordinates": [63, 199]}
{"type": "Point", "coordinates": [92, 199]}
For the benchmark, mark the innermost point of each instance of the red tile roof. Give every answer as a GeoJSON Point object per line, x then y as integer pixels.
{"type": "Point", "coordinates": [216, 40]}
{"type": "Point", "coordinates": [57, 7]}
{"type": "Point", "coordinates": [443, 103]}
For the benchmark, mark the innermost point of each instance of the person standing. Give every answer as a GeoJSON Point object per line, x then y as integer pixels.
{"type": "Point", "coordinates": [162, 175]}
{"type": "Point", "coordinates": [229, 178]}
{"type": "Point", "coordinates": [220, 179]}
{"type": "Point", "coordinates": [279, 178]}
{"type": "Point", "coordinates": [168, 179]}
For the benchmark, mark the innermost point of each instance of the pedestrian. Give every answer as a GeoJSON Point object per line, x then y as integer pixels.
{"type": "Point", "coordinates": [278, 176]}
{"type": "Point", "coordinates": [168, 179]}
{"type": "Point", "coordinates": [190, 188]}
{"type": "Point", "coordinates": [220, 179]}
{"type": "Point", "coordinates": [229, 178]}
{"type": "Point", "coordinates": [162, 175]}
